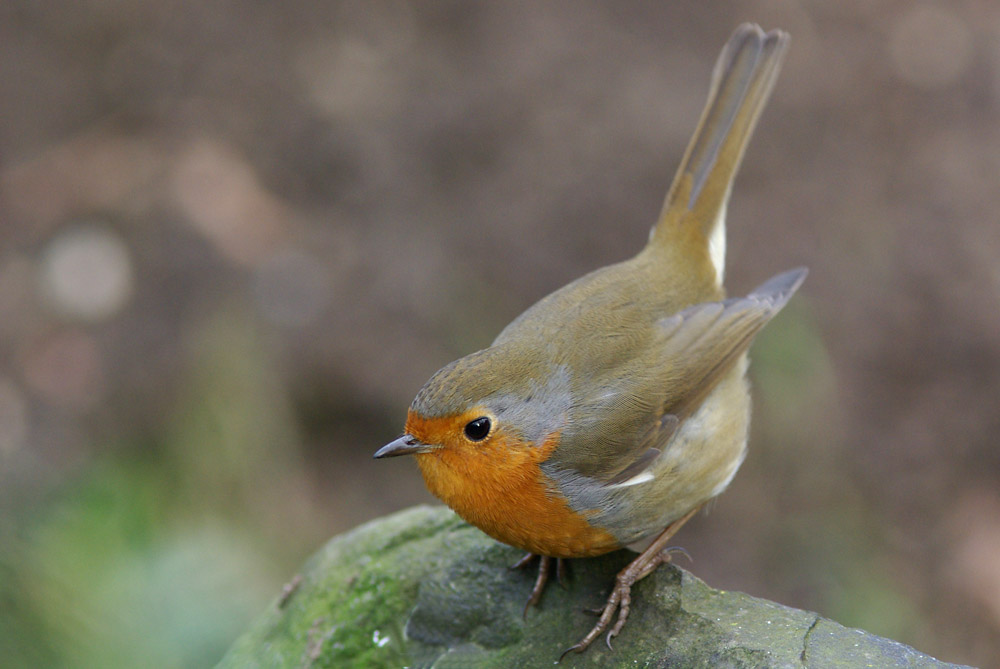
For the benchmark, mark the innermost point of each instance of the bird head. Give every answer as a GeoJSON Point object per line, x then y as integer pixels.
{"type": "Point", "coordinates": [494, 398]}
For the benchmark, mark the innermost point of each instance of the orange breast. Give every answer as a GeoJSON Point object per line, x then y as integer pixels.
{"type": "Point", "coordinates": [498, 487]}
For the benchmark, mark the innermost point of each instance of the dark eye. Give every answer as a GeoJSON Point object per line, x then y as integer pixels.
{"type": "Point", "coordinates": [476, 430]}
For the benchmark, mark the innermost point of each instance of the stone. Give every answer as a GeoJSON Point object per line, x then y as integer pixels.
{"type": "Point", "coordinates": [421, 588]}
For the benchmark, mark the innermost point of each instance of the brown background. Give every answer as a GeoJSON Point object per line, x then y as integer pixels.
{"type": "Point", "coordinates": [236, 237]}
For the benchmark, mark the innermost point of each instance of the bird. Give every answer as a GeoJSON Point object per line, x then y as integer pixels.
{"type": "Point", "coordinates": [612, 410]}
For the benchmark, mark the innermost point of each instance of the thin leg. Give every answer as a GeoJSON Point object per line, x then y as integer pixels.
{"type": "Point", "coordinates": [621, 596]}
{"type": "Point", "coordinates": [544, 571]}
{"type": "Point", "coordinates": [544, 568]}
{"type": "Point", "coordinates": [562, 569]}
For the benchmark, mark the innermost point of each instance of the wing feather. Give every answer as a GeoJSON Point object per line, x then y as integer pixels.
{"type": "Point", "coordinates": [639, 406]}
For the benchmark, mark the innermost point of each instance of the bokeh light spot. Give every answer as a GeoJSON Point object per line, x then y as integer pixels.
{"type": "Point", "coordinates": [86, 273]}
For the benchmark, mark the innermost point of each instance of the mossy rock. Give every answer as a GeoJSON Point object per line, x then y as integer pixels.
{"type": "Point", "coordinates": [423, 589]}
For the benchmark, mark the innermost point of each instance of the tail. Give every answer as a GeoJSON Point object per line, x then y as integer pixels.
{"type": "Point", "coordinates": [741, 84]}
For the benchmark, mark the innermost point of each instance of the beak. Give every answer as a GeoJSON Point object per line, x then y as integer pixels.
{"type": "Point", "coordinates": [405, 445]}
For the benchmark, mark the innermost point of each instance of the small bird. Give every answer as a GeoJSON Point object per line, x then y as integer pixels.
{"type": "Point", "coordinates": [612, 410]}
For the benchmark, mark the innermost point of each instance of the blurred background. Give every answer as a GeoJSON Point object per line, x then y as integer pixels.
{"type": "Point", "coordinates": [236, 238]}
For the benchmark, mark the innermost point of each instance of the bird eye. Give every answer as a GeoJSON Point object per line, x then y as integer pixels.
{"type": "Point", "coordinates": [476, 430]}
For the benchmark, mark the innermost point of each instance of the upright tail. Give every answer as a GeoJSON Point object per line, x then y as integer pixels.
{"type": "Point", "coordinates": [741, 84]}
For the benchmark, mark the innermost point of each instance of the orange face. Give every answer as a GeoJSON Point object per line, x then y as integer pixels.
{"type": "Point", "coordinates": [496, 484]}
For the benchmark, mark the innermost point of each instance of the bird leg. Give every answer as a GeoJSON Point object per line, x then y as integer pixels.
{"type": "Point", "coordinates": [620, 599]}
{"type": "Point", "coordinates": [544, 571]}
{"type": "Point", "coordinates": [544, 568]}
{"type": "Point", "coordinates": [562, 569]}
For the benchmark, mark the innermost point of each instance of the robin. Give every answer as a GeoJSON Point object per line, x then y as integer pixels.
{"type": "Point", "coordinates": [613, 409]}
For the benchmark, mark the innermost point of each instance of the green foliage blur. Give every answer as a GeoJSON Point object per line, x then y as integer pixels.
{"type": "Point", "coordinates": [157, 552]}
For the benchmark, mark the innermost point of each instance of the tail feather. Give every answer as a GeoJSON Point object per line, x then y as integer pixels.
{"type": "Point", "coordinates": [741, 84]}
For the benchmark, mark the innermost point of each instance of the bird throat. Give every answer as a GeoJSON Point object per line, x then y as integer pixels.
{"type": "Point", "coordinates": [500, 488]}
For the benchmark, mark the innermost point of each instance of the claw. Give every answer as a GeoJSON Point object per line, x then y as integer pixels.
{"type": "Point", "coordinates": [667, 552]}
{"type": "Point", "coordinates": [572, 649]}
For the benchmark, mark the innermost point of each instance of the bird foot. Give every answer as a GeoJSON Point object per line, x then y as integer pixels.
{"type": "Point", "coordinates": [621, 596]}
{"type": "Point", "coordinates": [620, 600]}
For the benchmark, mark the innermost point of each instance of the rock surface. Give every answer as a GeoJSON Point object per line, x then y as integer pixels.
{"type": "Point", "coordinates": [423, 589]}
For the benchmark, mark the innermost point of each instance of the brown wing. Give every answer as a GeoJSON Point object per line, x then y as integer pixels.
{"type": "Point", "coordinates": [625, 418]}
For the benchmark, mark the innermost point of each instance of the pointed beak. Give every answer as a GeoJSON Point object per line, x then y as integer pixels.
{"type": "Point", "coordinates": [405, 445]}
